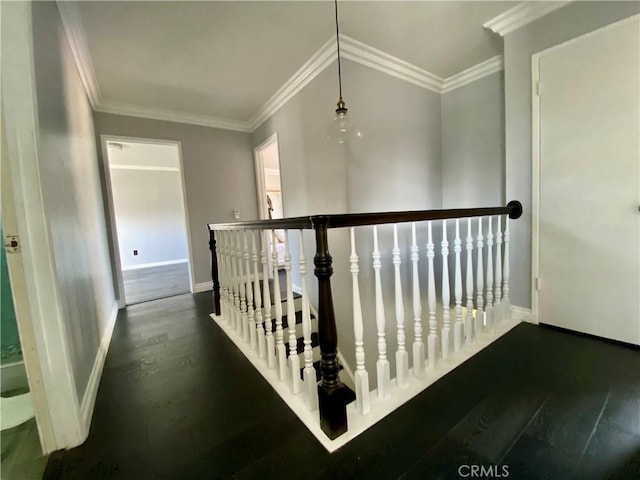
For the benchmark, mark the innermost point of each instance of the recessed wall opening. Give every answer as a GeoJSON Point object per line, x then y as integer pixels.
{"type": "Point", "coordinates": [148, 210]}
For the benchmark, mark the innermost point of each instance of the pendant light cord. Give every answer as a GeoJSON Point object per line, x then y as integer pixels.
{"type": "Point", "coordinates": [338, 44]}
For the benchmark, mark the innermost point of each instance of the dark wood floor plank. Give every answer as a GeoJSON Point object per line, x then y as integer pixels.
{"type": "Point", "coordinates": [178, 400]}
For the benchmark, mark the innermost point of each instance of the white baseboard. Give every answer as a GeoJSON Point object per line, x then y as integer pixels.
{"type": "Point", "coordinates": [203, 287]}
{"type": "Point", "coordinates": [89, 399]}
{"type": "Point", "coordinates": [155, 264]}
{"type": "Point", "coordinates": [521, 314]}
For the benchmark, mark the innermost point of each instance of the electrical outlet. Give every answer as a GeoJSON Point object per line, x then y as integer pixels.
{"type": "Point", "coordinates": [135, 252]}
{"type": "Point", "coordinates": [236, 214]}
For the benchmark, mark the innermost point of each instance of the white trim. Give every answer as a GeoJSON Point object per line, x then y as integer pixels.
{"type": "Point", "coordinates": [521, 15]}
{"type": "Point", "coordinates": [203, 287]}
{"type": "Point", "coordinates": [89, 398]}
{"type": "Point", "coordinates": [155, 264]}
{"type": "Point", "coordinates": [122, 166]}
{"type": "Point", "coordinates": [481, 70]}
{"type": "Point", "coordinates": [371, 57]}
{"type": "Point", "coordinates": [379, 408]}
{"type": "Point", "coordinates": [521, 314]}
{"type": "Point", "coordinates": [119, 108]}
{"type": "Point", "coordinates": [72, 24]}
{"type": "Point", "coordinates": [535, 155]}
{"type": "Point", "coordinates": [351, 49]}
{"type": "Point", "coordinates": [22, 133]}
{"type": "Point", "coordinates": [320, 60]}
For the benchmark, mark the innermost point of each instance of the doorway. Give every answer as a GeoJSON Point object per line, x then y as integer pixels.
{"type": "Point", "coordinates": [149, 218]}
{"type": "Point", "coordinates": [586, 184]}
{"type": "Point", "coordinates": [269, 188]}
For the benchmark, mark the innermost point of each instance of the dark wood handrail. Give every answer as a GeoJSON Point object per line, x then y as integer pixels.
{"type": "Point", "coordinates": [513, 209]}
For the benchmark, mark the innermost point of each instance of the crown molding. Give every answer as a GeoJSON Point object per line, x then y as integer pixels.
{"type": "Point", "coordinates": [119, 108]}
{"type": "Point", "coordinates": [351, 49]}
{"type": "Point", "coordinates": [320, 60]}
{"type": "Point", "coordinates": [474, 73]}
{"type": "Point", "coordinates": [521, 15]}
{"type": "Point", "coordinates": [371, 57]}
{"type": "Point", "coordinates": [72, 24]}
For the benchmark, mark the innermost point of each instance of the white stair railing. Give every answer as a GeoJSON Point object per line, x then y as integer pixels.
{"type": "Point", "coordinates": [469, 334]}
{"type": "Point", "coordinates": [432, 340]}
{"type": "Point", "coordinates": [418, 345]}
{"type": "Point", "coordinates": [479, 324]}
{"type": "Point", "coordinates": [257, 295]}
{"type": "Point", "coordinates": [361, 376]}
{"type": "Point", "coordinates": [402, 357]}
{"type": "Point", "coordinates": [281, 351]}
{"type": "Point", "coordinates": [455, 327]}
{"type": "Point", "coordinates": [458, 326]}
{"type": "Point", "coordinates": [310, 385]}
{"type": "Point", "coordinates": [383, 368]}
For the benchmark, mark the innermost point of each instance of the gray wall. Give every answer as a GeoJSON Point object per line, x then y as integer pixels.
{"type": "Point", "coordinates": [218, 170]}
{"type": "Point", "coordinates": [396, 166]}
{"type": "Point", "coordinates": [150, 216]}
{"type": "Point", "coordinates": [70, 183]}
{"type": "Point", "coordinates": [473, 144]}
{"type": "Point", "coordinates": [575, 19]}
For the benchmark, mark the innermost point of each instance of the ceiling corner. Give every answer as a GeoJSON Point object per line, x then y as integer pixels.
{"type": "Point", "coordinates": [521, 15]}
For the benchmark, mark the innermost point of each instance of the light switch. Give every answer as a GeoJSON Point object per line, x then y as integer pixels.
{"type": "Point", "coordinates": [236, 214]}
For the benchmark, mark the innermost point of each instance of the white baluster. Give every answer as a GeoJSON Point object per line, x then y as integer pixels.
{"type": "Point", "coordinates": [458, 327]}
{"type": "Point", "coordinates": [418, 345]}
{"type": "Point", "coordinates": [281, 351]}
{"type": "Point", "coordinates": [382, 365]}
{"type": "Point", "coordinates": [432, 340]}
{"type": "Point", "coordinates": [402, 357]}
{"type": "Point", "coordinates": [362, 377]}
{"type": "Point", "coordinates": [468, 322]}
{"type": "Point", "coordinates": [479, 326]}
{"type": "Point", "coordinates": [236, 283]}
{"type": "Point", "coordinates": [221, 276]}
{"type": "Point", "coordinates": [294, 361]}
{"type": "Point", "coordinates": [506, 304]}
{"type": "Point", "coordinates": [497, 304]}
{"type": "Point", "coordinates": [268, 324]}
{"type": "Point", "coordinates": [243, 292]}
{"type": "Point", "coordinates": [248, 279]}
{"type": "Point", "coordinates": [489, 308]}
{"type": "Point", "coordinates": [446, 297]}
{"type": "Point", "coordinates": [226, 310]}
{"type": "Point", "coordinates": [259, 330]}
{"type": "Point", "coordinates": [309, 382]}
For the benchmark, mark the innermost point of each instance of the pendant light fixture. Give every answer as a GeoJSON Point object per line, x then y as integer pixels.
{"type": "Point", "coordinates": [341, 129]}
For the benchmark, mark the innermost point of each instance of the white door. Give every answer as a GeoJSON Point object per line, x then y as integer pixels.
{"type": "Point", "coordinates": [589, 183]}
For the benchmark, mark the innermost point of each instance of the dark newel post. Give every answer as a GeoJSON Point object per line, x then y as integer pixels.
{"type": "Point", "coordinates": [214, 272]}
{"type": "Point", "coordinates": [332, 394]}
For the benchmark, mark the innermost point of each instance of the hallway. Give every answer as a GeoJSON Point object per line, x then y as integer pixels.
{"type": "Point", "coordinates": [177, 400]}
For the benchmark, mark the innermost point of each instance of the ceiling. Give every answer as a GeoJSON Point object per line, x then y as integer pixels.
{"type": "Point", "coordinates": [226, 59]}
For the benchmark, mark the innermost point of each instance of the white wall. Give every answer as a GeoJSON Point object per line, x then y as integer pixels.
{"type": "Point", "coordinates": [148, 204]}
{"type": "Point", "coordinates": [564, 24]}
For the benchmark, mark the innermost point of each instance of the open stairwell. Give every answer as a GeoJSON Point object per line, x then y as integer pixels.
{"type": "Point", "coordinates": [464, 291]}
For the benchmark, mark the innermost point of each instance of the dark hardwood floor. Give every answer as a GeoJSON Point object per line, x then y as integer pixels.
{"type": "Point", "coordinates": [177, 400]}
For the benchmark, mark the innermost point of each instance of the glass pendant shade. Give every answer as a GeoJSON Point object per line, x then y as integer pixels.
{"type": "Point", "coordinates": [342, 129]}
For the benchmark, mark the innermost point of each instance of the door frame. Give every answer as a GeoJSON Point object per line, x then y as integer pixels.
{"type": "Point", "coordinates": [113, 233]}
{"type": "Point", "coordinates": [535, 149]}
{"type": "Point", "coordinates": [261, 190]}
